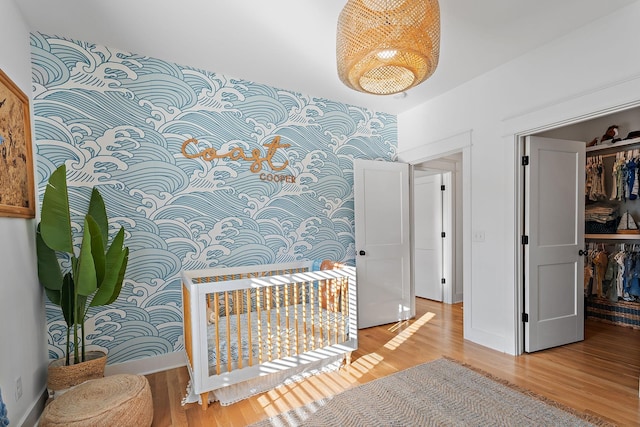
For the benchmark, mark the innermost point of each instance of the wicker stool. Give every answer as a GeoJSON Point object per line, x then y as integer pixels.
{"type": "Point", "coordinates": [116, 400]}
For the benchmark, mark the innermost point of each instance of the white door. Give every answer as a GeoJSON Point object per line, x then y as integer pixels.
{"type": "Point", "coordinates": [382, 242]}
{"type": "Point", "coordinates": [554, 225]}
{"type": "Point", "coordinates": [428, 240]}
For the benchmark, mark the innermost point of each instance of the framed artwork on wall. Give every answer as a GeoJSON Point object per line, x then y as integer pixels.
{"type": "Point", "coordinates": [17, 198]}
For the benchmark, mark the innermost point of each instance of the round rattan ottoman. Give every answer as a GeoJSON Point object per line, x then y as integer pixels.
{"type": "Point", "coordinates": [115, 400]}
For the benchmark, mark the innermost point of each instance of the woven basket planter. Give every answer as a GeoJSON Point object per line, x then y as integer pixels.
{"type": "Point", "coordinates": [62, 377]}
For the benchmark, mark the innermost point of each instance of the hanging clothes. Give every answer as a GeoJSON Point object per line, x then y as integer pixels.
{"type": "Point", "coordinates": [600, 262]}
{"type": "Point", "coordinates": [613, 275]}
{"type": "Point", "coordinates": [594, 186]}
{"type": "Point", "coordinates": [621, 171]}
{"type": "Point", "coordinates": [636, 185]}
{"type": "Point", "coordinates": [619, 259]}
{"type": "Point", "coordinates": [609, 289]}
{"type": "Point", "coordinates": [631, 178]}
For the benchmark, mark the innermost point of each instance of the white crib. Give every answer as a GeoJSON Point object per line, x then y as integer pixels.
{"type": "Point", "coordinates": [261, 324]}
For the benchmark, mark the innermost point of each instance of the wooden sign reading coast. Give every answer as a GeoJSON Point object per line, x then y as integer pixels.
{"type": "Point", "coordinates": [238, 153]}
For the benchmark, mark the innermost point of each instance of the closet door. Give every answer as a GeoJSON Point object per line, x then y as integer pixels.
{"type": "Point", "coordinates": [428, 240]}
{"type": "Point", "coordinates": [554, 225]}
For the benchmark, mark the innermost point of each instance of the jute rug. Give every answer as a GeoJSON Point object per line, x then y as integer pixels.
{"type": "Point", "coordinates": [438, 393]}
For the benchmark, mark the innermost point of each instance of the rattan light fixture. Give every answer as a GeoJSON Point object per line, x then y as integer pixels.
{"type": "Point", "coordinates": [387, 46]}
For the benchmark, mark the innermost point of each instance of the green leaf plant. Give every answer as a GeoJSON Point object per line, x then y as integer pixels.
{"type": "Point", "coordinates": [74, 276]}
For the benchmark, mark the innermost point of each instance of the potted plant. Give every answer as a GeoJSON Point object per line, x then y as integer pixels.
{"type": "Point", "coordinates": [77, 271]}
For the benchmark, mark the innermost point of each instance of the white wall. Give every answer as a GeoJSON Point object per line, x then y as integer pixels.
{"type": "Point", "coordinates": [22, 318]}
{"type": "Point", "coordinates": [595, 69]}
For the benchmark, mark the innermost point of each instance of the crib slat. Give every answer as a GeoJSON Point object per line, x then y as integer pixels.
{"type": "Point", "coordinates": [236, 304]}
{"type": "Point", "coordinates": [295, 318]}
{"type": "Point", "coordinates": [287, 340]}
{"type": "Point", "coordinates": [334, 289]}
{"type": "Point", "coordinates": [325, 313]}
{"type": "Point", "coordinates": [313, 319]}
{"type": "Point", "coordinates": [343, 299]}
{"type": "Point", "coordinates": [258, 310]}
{"type": "Point", "coordinates": [278, 329]}
{"type": "Point", "coordinates": [268, 309]}
{"type": "Point", "coordinates": [216, 311]}
{"type": "Point", "coordinates": [330, 310]}
{"type": "Point", "coordinates": [327, 303]}
{"type": "Point", "coordinates": [249, 326]}
{"type": "Point", "coordinates": [228, 322]}
{"type": "Point", "coordinates": [321, 325]}
{"type": "Point", "coordinates": [305, 292]}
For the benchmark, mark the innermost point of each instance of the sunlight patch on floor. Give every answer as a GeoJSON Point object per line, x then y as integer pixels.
{"type": "Point", "coordinates": [404, 335]}
{"type": "Point", "coordinates": [280, 399]}
{"type": "Point", "coordinates": [287, 396]}
{"type": "Point", "coordinates": [361, 366]}
{"type": "Point", "coordinates": [317, 387]}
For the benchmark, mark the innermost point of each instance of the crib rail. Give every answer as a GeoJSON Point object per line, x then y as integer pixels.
{"type": "Point", "coordinates": [265, 319]}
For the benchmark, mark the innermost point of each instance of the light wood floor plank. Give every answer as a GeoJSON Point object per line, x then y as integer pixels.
{"type": "Point", "coordinates": [597, 376]}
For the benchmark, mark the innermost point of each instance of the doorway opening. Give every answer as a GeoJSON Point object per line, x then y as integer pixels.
{"type": "Point", "coordinates": [456, 148]}
{"type": "Point", "coordinates": [437, 229]}
{"type": "Point", "coordinates": [585, 130]}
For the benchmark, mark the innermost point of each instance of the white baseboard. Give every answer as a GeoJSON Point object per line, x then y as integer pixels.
{"type": "Point", "coordinates": [149, 365]}
{"type": "Point", "coordinates": [32, 417]}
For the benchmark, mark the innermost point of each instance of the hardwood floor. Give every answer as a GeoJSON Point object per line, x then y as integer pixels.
{"type": "Point", "coordinates": [598, 375]}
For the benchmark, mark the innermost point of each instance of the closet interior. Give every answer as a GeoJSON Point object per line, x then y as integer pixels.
{"type": "Point", "coordinates": [612, 215]}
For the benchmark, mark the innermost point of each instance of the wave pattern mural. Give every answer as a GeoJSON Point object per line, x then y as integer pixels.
{"type": "Point", "coordinates": [118, 121]}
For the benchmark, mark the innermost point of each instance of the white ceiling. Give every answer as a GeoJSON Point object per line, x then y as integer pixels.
{"type": "Point", "coordinates": [290, 44]}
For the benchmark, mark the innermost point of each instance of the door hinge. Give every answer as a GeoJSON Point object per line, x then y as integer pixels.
{"type": "Point", "coordinates": [525, 160]}
{"type": "Point", "coordinates": [443, 235]}
{"type": "Point", "coordinates": [443, 281]}
{"type": "Point", "coordinates": [525, 240]}
{"type": "Point", "coordinates": [525, 317]}
{"type": "Point", "coordinates": [442, 188]}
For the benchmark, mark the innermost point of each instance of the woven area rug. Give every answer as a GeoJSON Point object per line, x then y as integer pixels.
{"type": "Point", "coordinates": [438, 393]}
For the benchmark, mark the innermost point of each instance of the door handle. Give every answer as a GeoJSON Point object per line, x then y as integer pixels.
{"type": "Point", "coordinates": [582, 253]}
{"type": "Point", "coordinates": [362, 253]}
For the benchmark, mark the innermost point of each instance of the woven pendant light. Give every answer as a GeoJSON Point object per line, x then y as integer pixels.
{"type": "Point", "coordinates": [387, 46]}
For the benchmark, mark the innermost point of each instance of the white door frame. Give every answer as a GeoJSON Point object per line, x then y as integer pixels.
{"type": "Point", "coordinates": [458, 143]}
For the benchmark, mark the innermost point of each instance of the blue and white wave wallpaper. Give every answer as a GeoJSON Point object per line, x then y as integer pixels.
{"type": "Point", "coordinates": [118, 120]}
